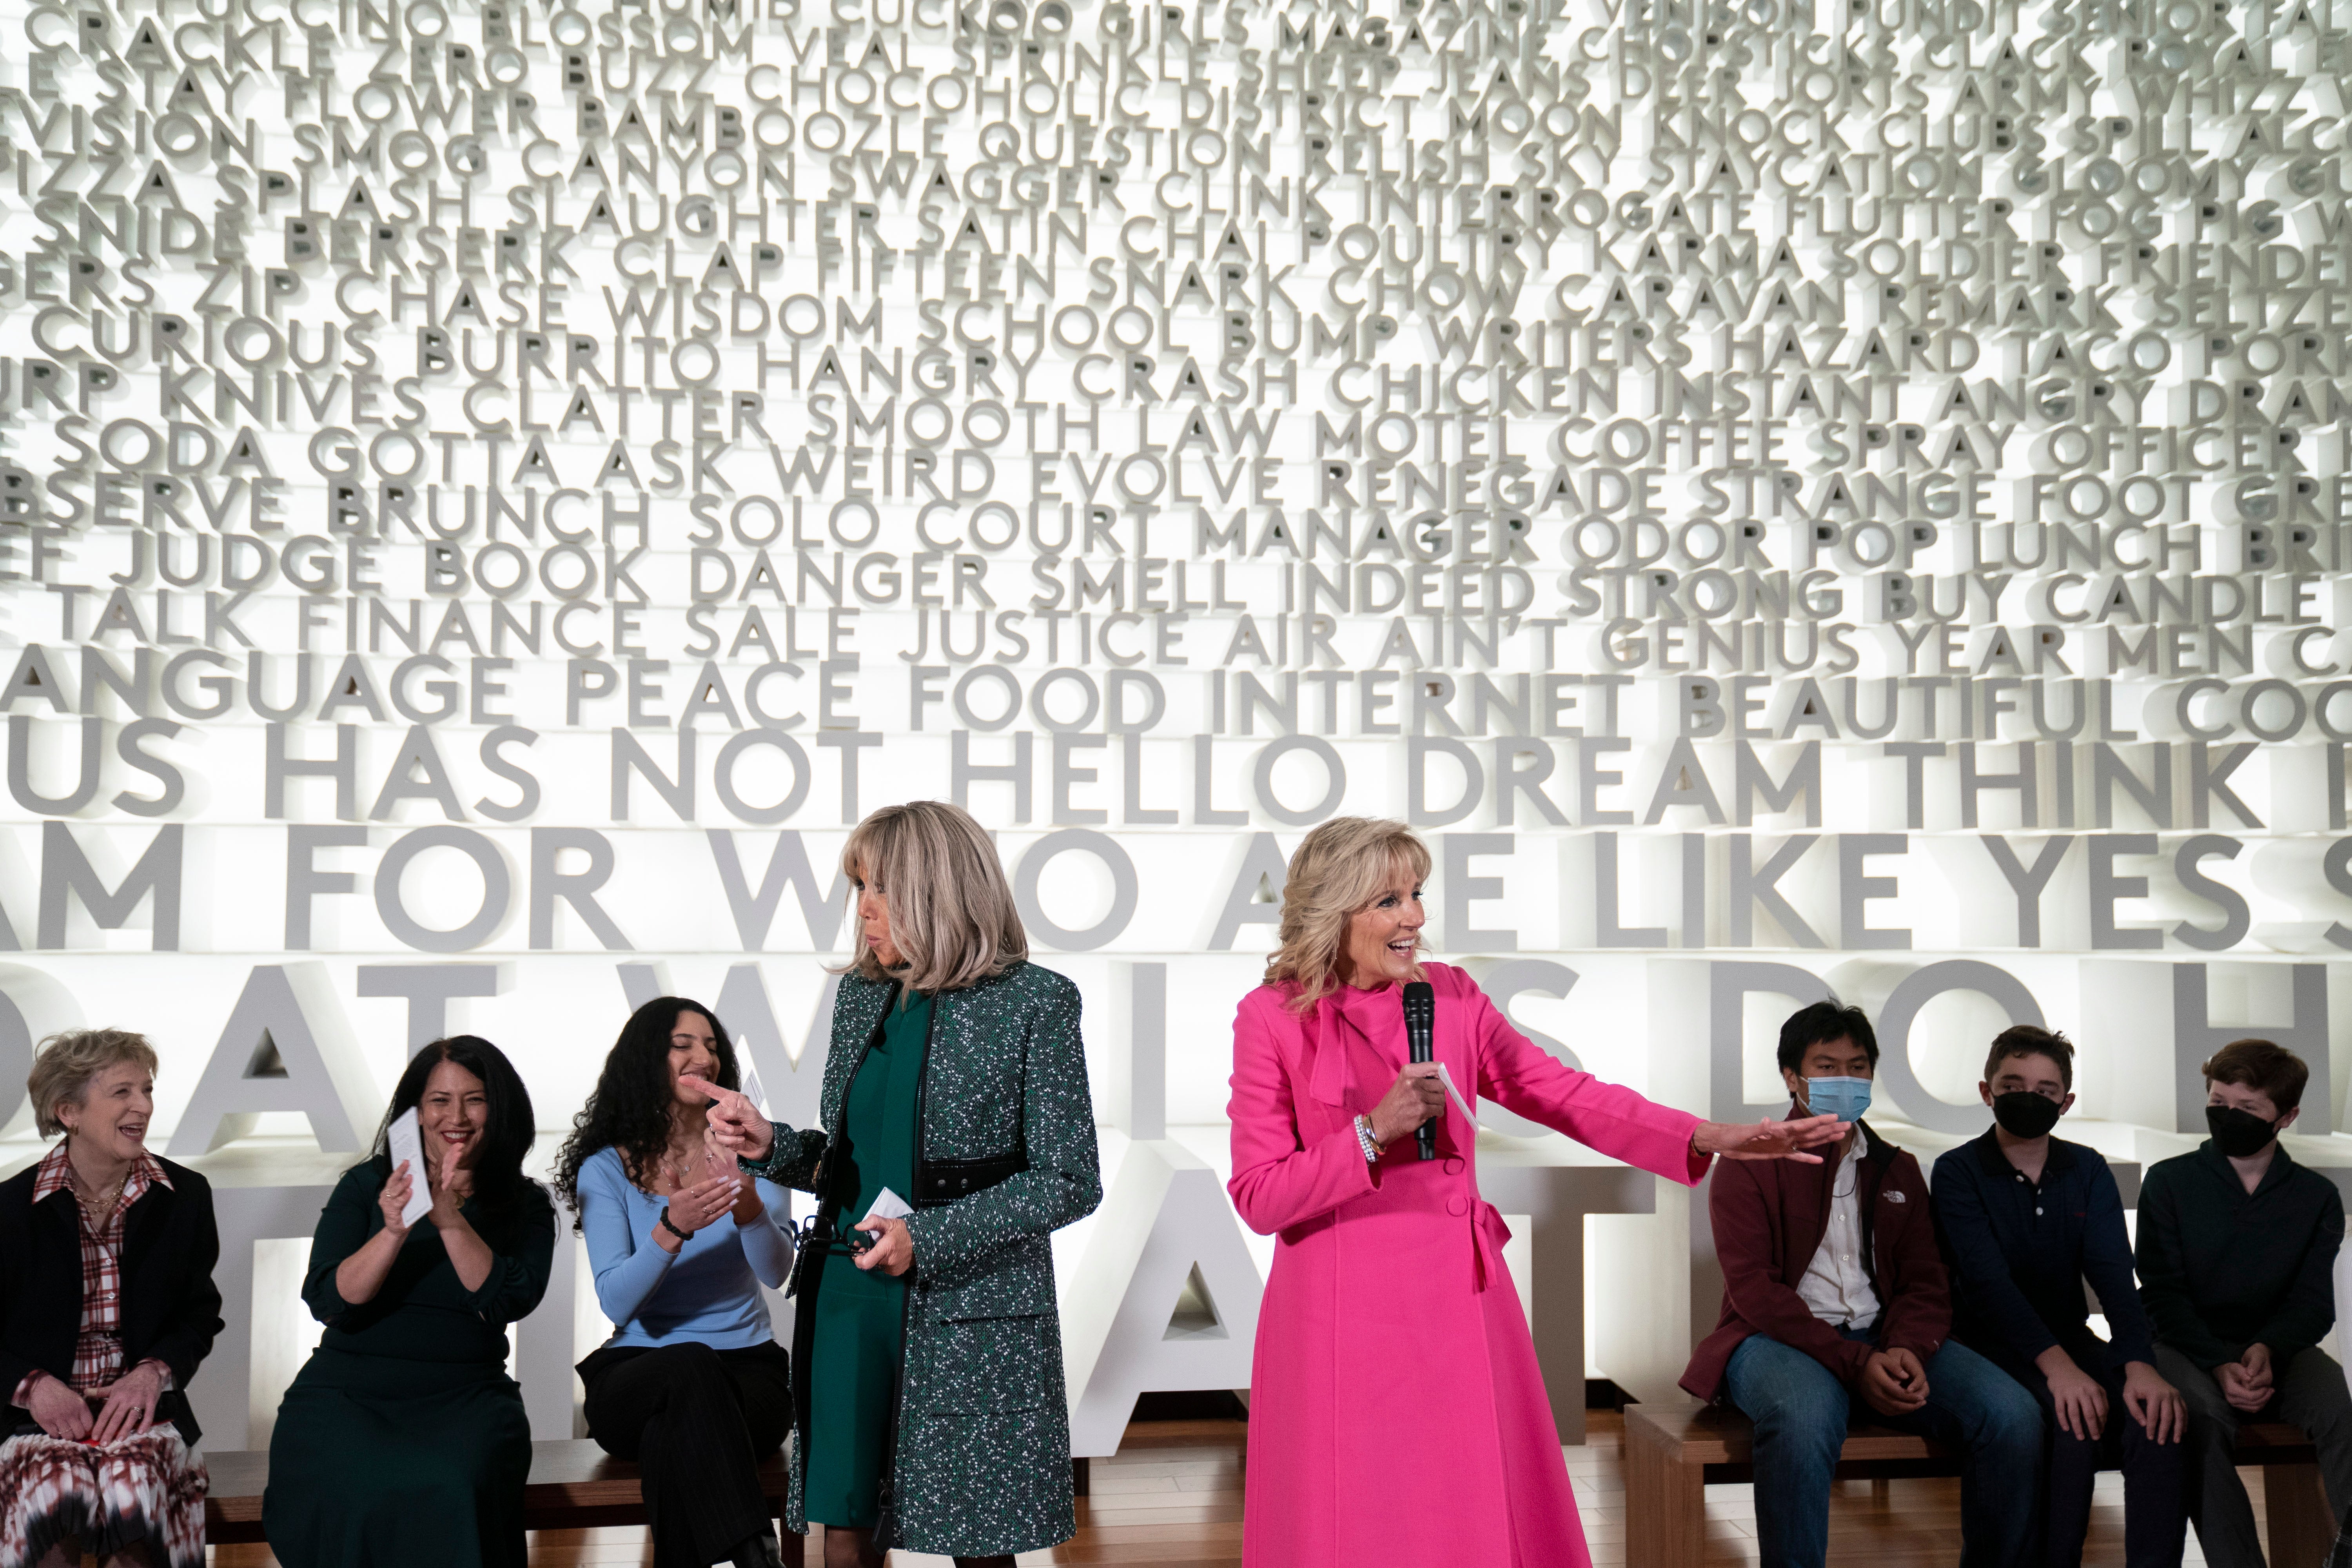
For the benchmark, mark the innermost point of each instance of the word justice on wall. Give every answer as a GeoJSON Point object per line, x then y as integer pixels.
{"type": "Point", "coordinates": [1776, 474]}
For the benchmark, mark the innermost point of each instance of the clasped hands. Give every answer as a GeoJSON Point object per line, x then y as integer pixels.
{"type": "Point", "coordinates": [722, 1189]}
{"type": "Point", "coordinates": [697, 1203]}
{"type": "Point", "coordinates": [2246, 1382]}
{"type": "Point", "coordinates": [1894, 1383]}
{"type": "Point", "coordinates": [130, 1408]}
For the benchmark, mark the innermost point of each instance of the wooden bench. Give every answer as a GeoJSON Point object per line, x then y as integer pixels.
{"type": "Point", "coordinates": [1672, 1451]}
{"type": "Point", "coordinates": [572, 1486]}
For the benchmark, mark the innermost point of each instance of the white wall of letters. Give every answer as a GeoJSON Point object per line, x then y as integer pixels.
{"type": "Point", "coordinates": [1789, 498]}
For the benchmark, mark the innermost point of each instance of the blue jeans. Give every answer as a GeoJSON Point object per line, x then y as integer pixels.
{"type": "Point", "coordinates": [1801, 1410]}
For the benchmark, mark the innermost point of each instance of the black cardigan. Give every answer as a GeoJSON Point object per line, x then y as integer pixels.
{"type": "Point", "coordinates": [171, 1311]}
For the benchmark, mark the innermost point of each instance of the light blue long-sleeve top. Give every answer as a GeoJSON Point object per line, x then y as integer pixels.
{"type": "Point", "coordinates": [707, 1291]}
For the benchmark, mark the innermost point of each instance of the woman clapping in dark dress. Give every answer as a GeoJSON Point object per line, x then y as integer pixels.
{"type": "Point", "coordinates": [403, 1441]}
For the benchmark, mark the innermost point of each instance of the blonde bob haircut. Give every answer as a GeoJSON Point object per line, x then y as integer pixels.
{"type": "Point", "coordinates": [1336, 873]}
{"type": "Point", "coordinates": [69, 1063]}
{"type": "Point", "coordinates": [951, 912]}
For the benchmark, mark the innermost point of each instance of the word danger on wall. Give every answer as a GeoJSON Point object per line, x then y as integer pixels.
{"type": "Point", "coordinates": [1821, 478]}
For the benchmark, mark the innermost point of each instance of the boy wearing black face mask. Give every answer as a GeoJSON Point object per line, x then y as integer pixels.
{"type": "Point", "coordinates": [2237, 1256]}
{"type": "Point", "coordinates": [2025, 1218]}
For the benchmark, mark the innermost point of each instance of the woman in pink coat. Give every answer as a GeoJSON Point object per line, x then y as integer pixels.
{"type": "Point", "coordinates": [1396, 1414]}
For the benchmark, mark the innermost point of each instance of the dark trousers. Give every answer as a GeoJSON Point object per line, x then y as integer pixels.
{"type": "Point", "coordinates": [2309, 1393]}
{"type": "Point", "coordinates": [696, 1421]}
{"type": "Point", "coordinates": [2156, 1521]}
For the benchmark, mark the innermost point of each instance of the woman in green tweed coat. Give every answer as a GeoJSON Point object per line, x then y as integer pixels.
{"type": "Point", "coordinates": [930, 1411]}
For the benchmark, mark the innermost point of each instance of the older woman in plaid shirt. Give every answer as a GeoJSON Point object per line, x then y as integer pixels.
{"type": "Point", "coordinates": [107, 1305]}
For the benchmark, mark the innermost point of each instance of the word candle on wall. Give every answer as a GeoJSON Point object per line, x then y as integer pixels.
{"type": "Point", "coordinates": [490, 490]}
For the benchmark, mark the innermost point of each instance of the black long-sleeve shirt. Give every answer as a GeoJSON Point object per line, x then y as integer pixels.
{"type": "Point", "coordinates": [2019, 1251]}
{"type": "Point", "coordinates": [2221, 1268]}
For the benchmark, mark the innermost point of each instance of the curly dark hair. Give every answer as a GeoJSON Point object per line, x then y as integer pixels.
{"type": "Point", "coordinates": [630, 1107]}
{"type": "Point", "coordinates": [509, 1125]}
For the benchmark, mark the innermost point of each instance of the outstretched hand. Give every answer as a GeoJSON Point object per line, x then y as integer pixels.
{"type": "Point", "coordinates": [735, 1123]}
{"type": "Point", "coordinates": [1770, 1139]}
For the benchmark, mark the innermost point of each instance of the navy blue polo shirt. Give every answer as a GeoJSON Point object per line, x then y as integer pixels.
{"type": "Point", "coordinates": [2018, 1252]}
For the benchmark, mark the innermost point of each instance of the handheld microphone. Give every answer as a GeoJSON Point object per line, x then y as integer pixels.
{"type": "Point", "coordinates": [1421, 1046]}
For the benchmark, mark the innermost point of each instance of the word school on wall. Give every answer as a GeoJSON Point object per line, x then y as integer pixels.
{"type": "Point", "coordinates": [1791, 496]}
{"type": "Point", "coordinates": [517, 479]}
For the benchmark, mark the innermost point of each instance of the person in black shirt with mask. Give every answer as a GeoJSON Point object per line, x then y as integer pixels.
{"type": "Point", "coordinates": [2025, 1218]}
{"type": "Point", "coordinates": [2237, 1258]}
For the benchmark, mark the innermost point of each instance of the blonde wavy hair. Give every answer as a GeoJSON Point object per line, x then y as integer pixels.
{"type": "Point", "coordinates": [952, 917]}
{"type": "Point", "coordinates": [70, 1062]}
{"type": "Point", "coordinates": [1336, 872]}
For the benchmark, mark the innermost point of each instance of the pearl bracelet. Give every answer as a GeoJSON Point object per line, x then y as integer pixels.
{"type": "Point", "coordinates": [1365, 1141]}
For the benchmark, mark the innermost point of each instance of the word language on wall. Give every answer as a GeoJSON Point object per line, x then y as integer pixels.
{"type": "Point", "coordinates": [515, 478]}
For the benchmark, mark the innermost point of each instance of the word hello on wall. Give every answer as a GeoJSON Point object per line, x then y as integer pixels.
{"type": "Point", "coordinates": [1811, 476]}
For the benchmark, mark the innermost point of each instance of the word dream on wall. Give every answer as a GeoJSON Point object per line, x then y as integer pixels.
{"type": "Point", "coordinates": [1683, 455]}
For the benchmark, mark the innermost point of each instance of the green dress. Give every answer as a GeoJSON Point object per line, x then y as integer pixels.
{"type": "Point", "coordinates": [403, 1441]}
{"type": "Point", "coordinates": [861, 1313]}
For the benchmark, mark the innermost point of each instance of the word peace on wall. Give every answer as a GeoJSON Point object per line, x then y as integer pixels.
{"type": "Point", "coordinates": [1601, 429]}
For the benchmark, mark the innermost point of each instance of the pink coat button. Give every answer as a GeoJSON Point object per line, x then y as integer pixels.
{"type": "Point", "coordinates": [1452, 1166]}
{"type": "Point", "coordinates": [1458, 1206]}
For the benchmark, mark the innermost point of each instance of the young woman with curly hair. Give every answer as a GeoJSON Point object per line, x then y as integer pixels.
{"type": "Point", "coordinates": [692, 1384]}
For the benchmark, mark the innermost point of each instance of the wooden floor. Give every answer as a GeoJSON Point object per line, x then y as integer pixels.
{"type": "Point", "coordinates": [1173, 1499]}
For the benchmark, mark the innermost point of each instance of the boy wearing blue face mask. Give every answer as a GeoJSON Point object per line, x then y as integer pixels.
{"type": "Point", "coordinates": [1834, 1299]}
{"type": "Point", "coordinates": [2026, 1218]}
{"type": "Point", "coordinates": [2237, 1260]}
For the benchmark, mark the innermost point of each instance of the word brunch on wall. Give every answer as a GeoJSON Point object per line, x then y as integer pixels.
{"type": "Point", "coordinates": [515, 481]}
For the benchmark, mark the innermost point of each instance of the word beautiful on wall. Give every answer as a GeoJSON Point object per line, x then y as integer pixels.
{"type": "Point", "coordinates": [543, 416]}
{"type": "Point", "coordinates": [489, 485]}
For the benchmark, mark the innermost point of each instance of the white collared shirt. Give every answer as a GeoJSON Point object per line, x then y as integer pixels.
{"type": "Point", "coordinates": [1836, 1283]}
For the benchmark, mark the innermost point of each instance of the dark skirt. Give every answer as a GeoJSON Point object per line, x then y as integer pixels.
{"type": "Point", "coordinates": [858, 1352]}
{"type": "Point", "coordinates": [380, 1460]}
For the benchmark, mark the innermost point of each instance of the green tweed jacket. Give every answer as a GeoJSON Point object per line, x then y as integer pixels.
{"type": "Point", "coordinates": [982, 1461]}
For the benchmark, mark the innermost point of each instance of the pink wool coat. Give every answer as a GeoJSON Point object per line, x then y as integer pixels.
{"type": "Point", "coordinates": [1396, 1414]}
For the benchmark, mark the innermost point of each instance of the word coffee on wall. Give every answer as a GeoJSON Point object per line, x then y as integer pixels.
{"type": "Point", "coordinates": [1791, 496]}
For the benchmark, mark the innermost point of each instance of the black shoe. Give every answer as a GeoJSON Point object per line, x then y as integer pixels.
{"type": "Point", "coordinates": [758, 1552]}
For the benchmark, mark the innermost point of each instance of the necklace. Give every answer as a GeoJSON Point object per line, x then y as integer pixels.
{"type": "Point", "coordinates": [675, 1168]}
{"type": "Point", "coordinates": [99, 1207]}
